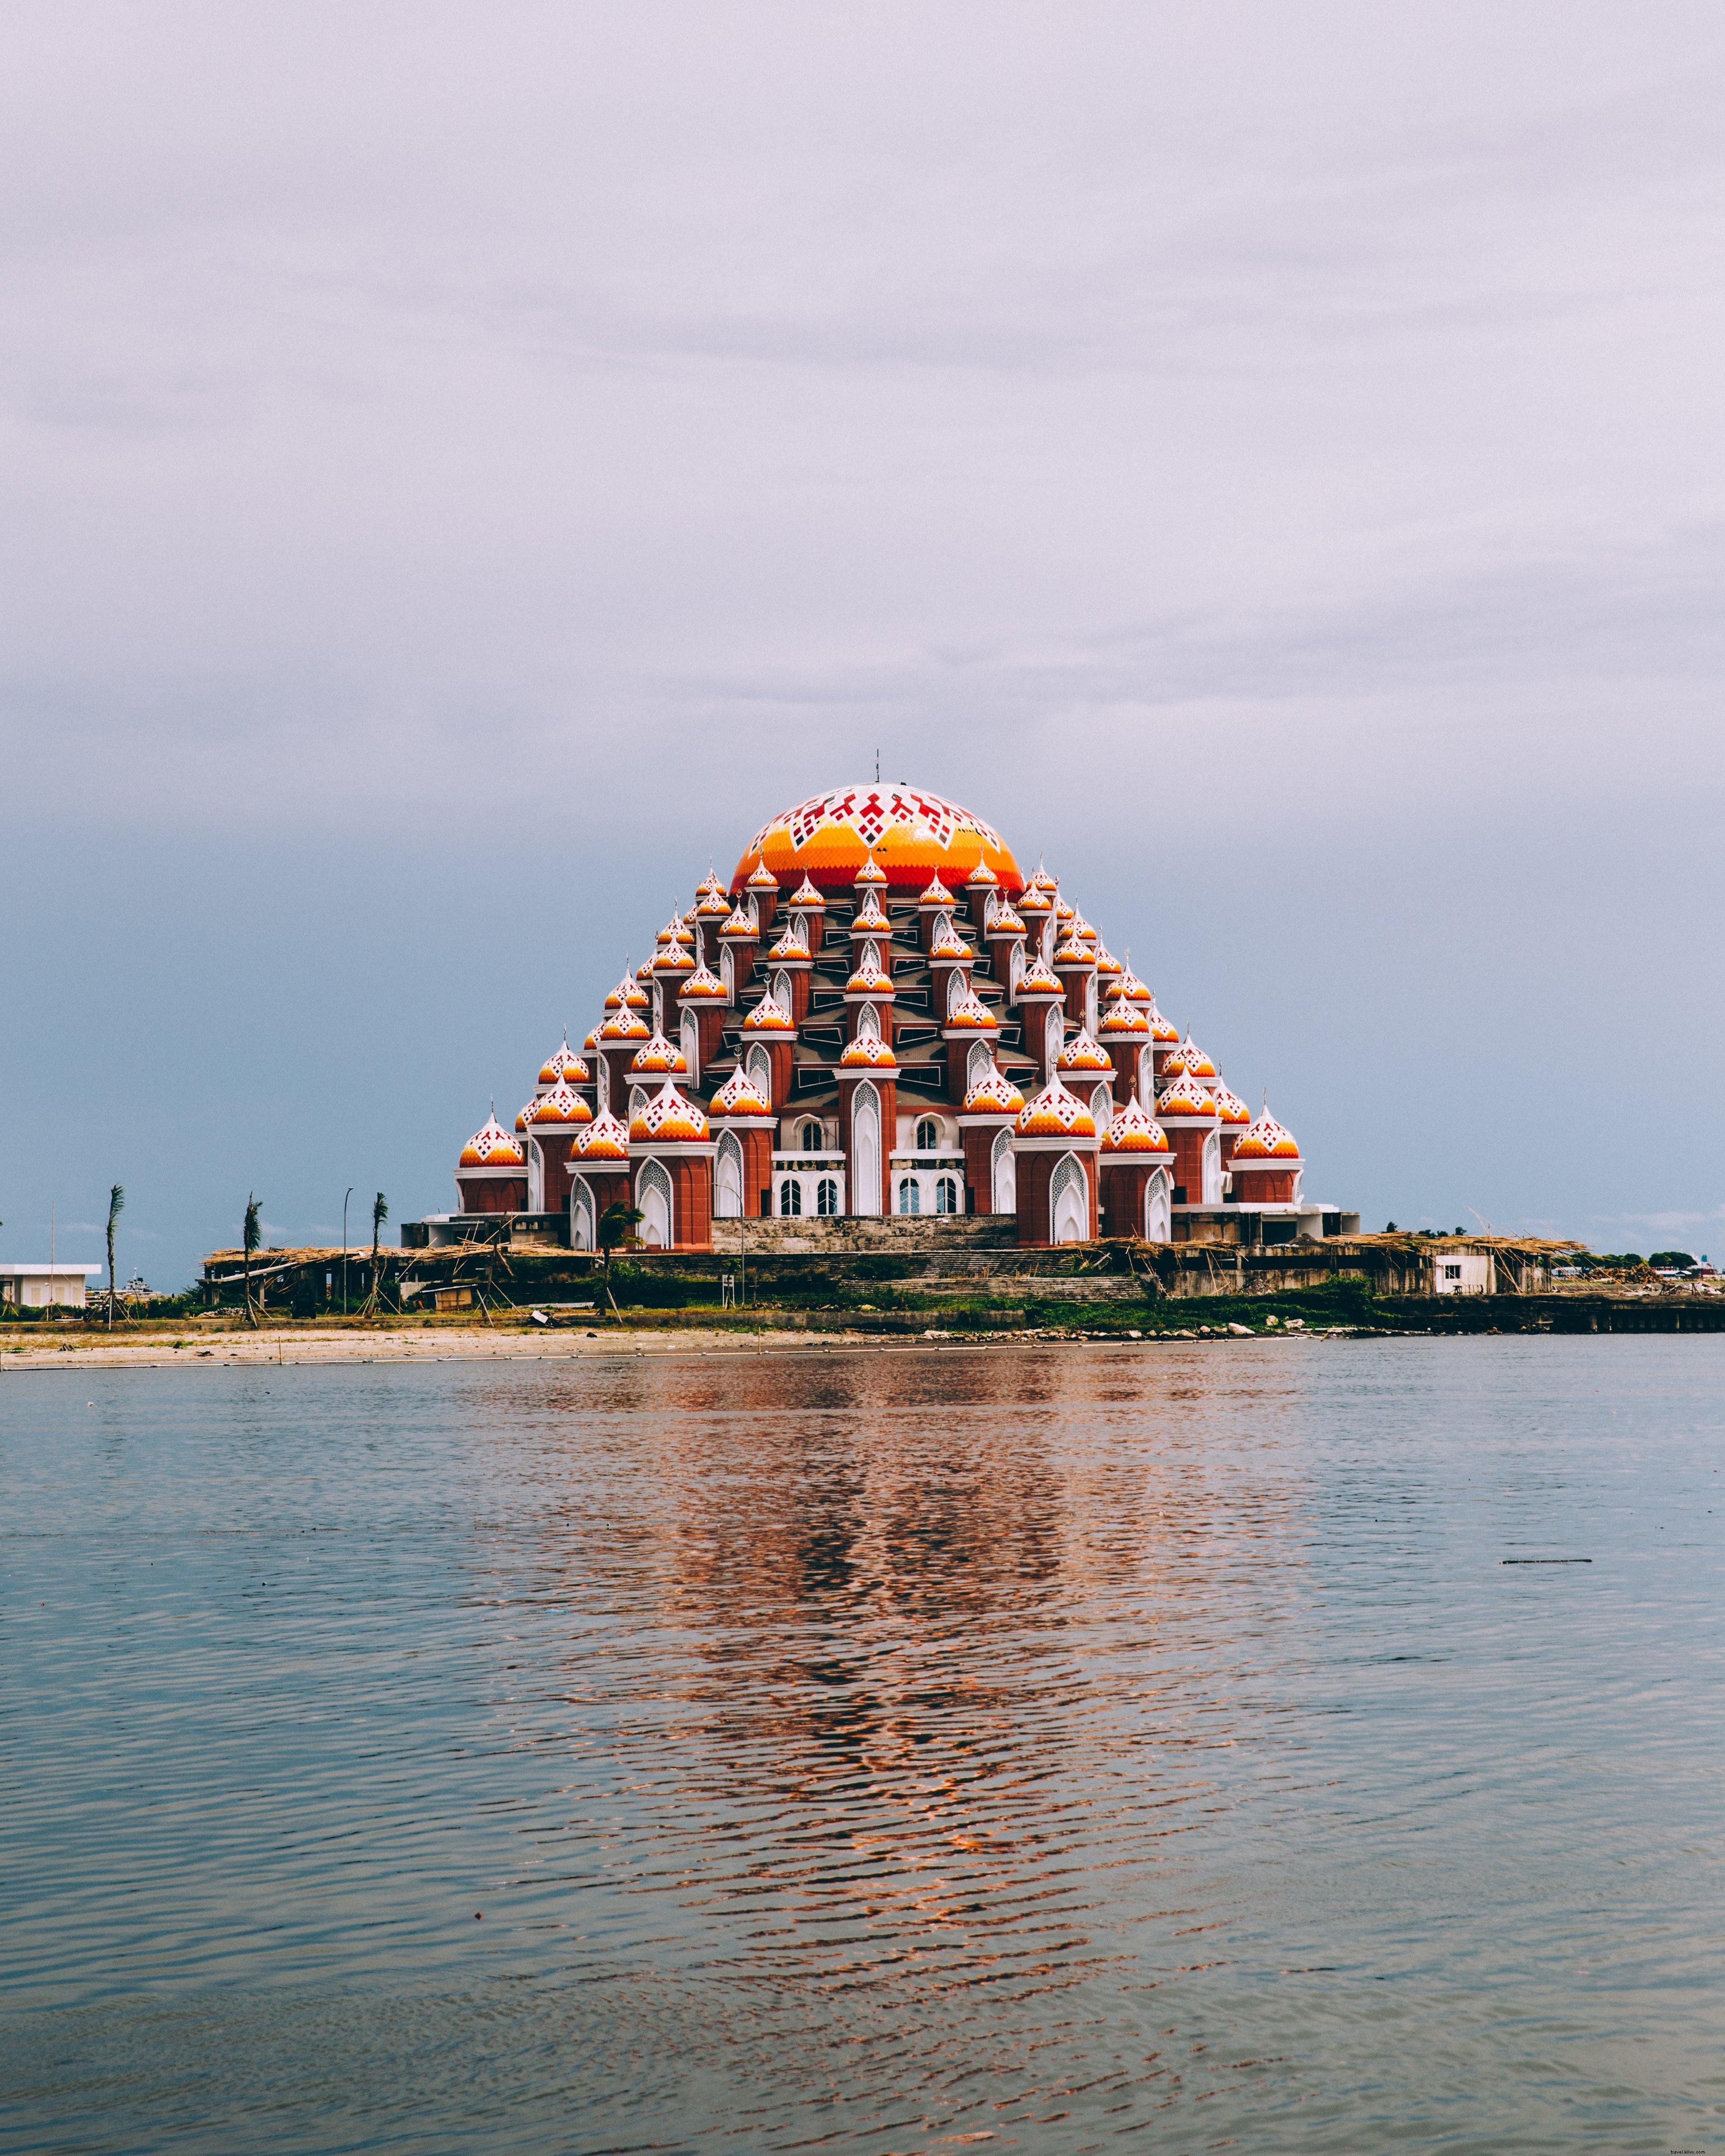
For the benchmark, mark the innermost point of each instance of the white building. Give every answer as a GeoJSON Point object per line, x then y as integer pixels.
{"type": "Point", "coordinates": [35, 1285]}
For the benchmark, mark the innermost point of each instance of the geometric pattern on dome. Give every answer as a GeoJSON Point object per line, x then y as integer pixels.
{"type": "Point", "coordinates": [740, 925]}
{"type": "Point", "coordinates": [1006, 922]}
{"type": "Point", "coordinates": [1083, 932]}
{"type": "Point", "coordinates": [1186, 1098]}
{"type": "Point", "coordinates": [1230, 1107]}
{"type": "Point", "coordinates": [564, 1064]}
{"type": "Point", "coordinates": [792, 947]}
{"type": "Point", "coordinates": [1034, 901]}
{"type": "Point", "coordinates": [669, 1119]}
{"type": "Point", "coordinates": [674, 958]}
{"type": "Point", "coordinates": [739, 1095]}
{"type": "Point", "coordinates": [1106, 962]}
{"type": "Point", "coordinates": [604, 1138]}
{"type": "Point", "coordinates": [1134, 1130]}
{"type": "Point", "coordinates": [1064, 913]}
{"type": "Point", "coordinates": [1073, 951]}
{"type": "Point", "coordinates": [700, 983]}
{"type": "Point", "coordinates": [625, 1025]}
{"type": "Point", "coordinates": [1266, 1139]}
{"type": "Point", "coordinates": [1083, 1052]}
{"type": "Point", "coordinates": [870, 918]}
{"type": "Point", "coordinates": [659, 1057]}
{"type": "Point", "coordinates": [906, 833]}
{"type": "Point", "coordinates": [982, 874]}
{"type": "Point", "coordinates": [1056, 1113]}
{"type": "Point", "coordinates": [805, 894]}
{"type": "Point", "coordinates": [491, 1145]}
{"type": "Point", "coordinates": [868, 1052]}
{"type": "Point", "coordinates": [591, 1043]}
{"type": "Point", "coordinates": [769, 1015]}
{"type": "Point", "coordinates": [1036, 980]}
{"type": "Point", "coordinates": [626, 996]}
{"type": "Point", "coordinates": [676, 931]}
{"type": "Point", "coordinates": [1160, 1029]}
{"type": "Point", "coordinates": [951, 947]}
{"type": "Point", "coordinates": [871, 874]}
{"type": "Point", "coordinates": [521, 1120]}
{"type": "Point", "coordinates": [869, 980]}
{"type": "Point", "coordinates": [713, 905]}
{"type": "Point", "coordinates": [1042, 880]}
{"type": "Point", "coordinates": [1189, 1057]}
{"type": "Point", "coordinates": [644, 972]}
{"type": "Point", "coordinates": [1122, 1016]}
{"type": "Point", "coordinates": [972, 1014]}
{"type": "Point", "coordinates": [763, 879]}
{"type": "Point", "coordinates": [559, 1105]}
{"type": "Point", "coordinates": [993, 1094]}
{"type": "Point", "coordinates": [936, 894]}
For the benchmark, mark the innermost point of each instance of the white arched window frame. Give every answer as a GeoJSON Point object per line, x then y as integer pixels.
{"type": "Point", "coordinates": [826, 1196]}
{"type": "Point", "coordinates": [1015, 970]}
{"type": "Point", "coordinates": [761, 1070]}
{"type": "Point", "coordinates": [790, 1198]}
{"type": "Point", "coordinates": [910, 1194]}
{"type": "Point", "coordinates": [1090, 1003]}
{"type": "Point", "coordinates": [1158, 1213]}
{"type": "Point", "coordinates": [691, 1045]}
{"type": "Point", "coordinates": [946, 1194]}
{"type": "Point", "coordinates": [1147, 1078]}
{"type": "Point", "coordinates": [727, 971]}
{"type": "Point", "coordinates": [535, 1177]}
{"type": "Point", "coordinates": [782, 988]}
{"type": "Point", "coordinates": [637, 1101]}
{"type": "Point", "coordinates": [1213, 1169]}
{"type": "Point", "coordinates": [657, 995]}
{"type": "Point", "coordinates": [957, 987]}
{"type": "Point", "coordinates": [865, 1150]}
{"type": "Point", "coordinates": [978, 1064]}
{"type": "Point", "coordinates": [581, 1220]}
{"type": "Point", "coordinates": [928, 1134]}
{"type": "Point", "coordinates": [1005, 1175]}
{"type": "Point", "coordinates": [727, 1178]}
{"type": "Point", "coordinates": [811, 1137]}
{"type": "Point", "coordinates": [1101, 1108]}
{"type": "Point", "coordinates": [1055, 1037]}
{"type": "Point", "coordinates": [868, 1023]}
{"type": "Point", "coordinates": [871, 957]}
{"type": "Point", "coordinates": [1069, 1202]}
{"type": "Point", "coordinates": [653, 1196]}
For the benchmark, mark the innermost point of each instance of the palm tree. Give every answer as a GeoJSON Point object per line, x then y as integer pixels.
{"type": "Point", "coordinates": [380, 1213]}
{"type": "Point", "coordinates": [116, 1206]}
{"type": "Point", "coordinates": [250, 1238]}
{"type": "Point", "coordinates": [617, 1225]}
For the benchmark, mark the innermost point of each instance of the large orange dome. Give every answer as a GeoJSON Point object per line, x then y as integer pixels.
{"type": "Point", "coordinates": [911, 834]}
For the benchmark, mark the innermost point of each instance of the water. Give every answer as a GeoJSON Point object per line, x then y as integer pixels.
{"type": "Point", "coordinates": [1048, 1750]}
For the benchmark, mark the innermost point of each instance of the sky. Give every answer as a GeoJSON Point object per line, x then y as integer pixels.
{"type": "Point", "coordinates": [462, 470]}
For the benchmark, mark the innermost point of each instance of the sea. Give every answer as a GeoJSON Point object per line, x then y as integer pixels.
{"type": "Point", "coordinates": [1292, 1745]}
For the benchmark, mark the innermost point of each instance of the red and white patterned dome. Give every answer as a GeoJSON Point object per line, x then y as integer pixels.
{"type": "Point", "coordinates": [1231, 1108]}
{"type": "Point", "coordinates": [712, 905]}
{"type": "Point", "coordinates": [769, 1015]}
{"type": "Point", "coordinates": [868, 1052]}
{"type": "Point", "coordinates": [792, 947]}
{"type": "Point", "coordinates": [1124, 1019]}
{"type": "Point", "coordinates": [806, 896]}
{"type": "Point", "coordinates": [981, 877]}
{"type": "Point", "coordinates": [1107, 965]}
{"type": "Point", "coordinates": [739, 928]}
{"type": "Point", "coordinates": [1073, 951]}
{"type": "Point", "coordinates": [935, 893]}
{"type": "Point", "coordinates": [1134, 1130]}
{"type": "Point", "coordinates": [558, 1109]}
{"type": "Point", "coordinates": [1132, 988]}
{"type": "Point", "coordinates": [1186, 1100]}
{"type": "Point", "coordinates": [761, 878]}
{"type": "Point", "coordinates": [604, 1139]}
{"type": "Point", "coordinates": [869, 980]}
{"type": "Point", "coordinates": [525, 1116]}
{"type": "Point", "coordinates": [870, 917]}
{"type": "Point", "coordinates": [677, 930]}
{"type": "Point", "coordinates": [905, 832]}
{"type": "Point", "coordinates": [669, 1118]}
{"type": "Point", "coordinates": [659, 1058]}
{"type": "Point", "coordinates": [1036, 981]}
{"type": "Point", "coordinates": [871, 875]}
{"type": "Point", "coordinates": [1005, 923]}
{"type": "Point", "coordinates": [1160, 1029]}
{"type": "Point", "coordinates": [627, 996]}
{"type": "Point", "coordinates": [1083, 1052]}
{"type": "Point", "coordinates": [1266, 1139]}
{"type": "Point", "coordinates": [563, 1065]}
{"type": "Point", "coordinates": [624, 1025]}
{"type": "Point", "coordinates": [701, 986]}
{"type": "Point", "coordinates": [590, 1045]}
{"type": "Point", "coordinates": [672, 958]}
{"type": "Point", "coordinates": [491, 1145]}
{"type": "Point", "coordinates": [1056, 1113]}
{"type": "Point", "coordinates": [1190, 1058]}
{"type": "Point", "coordinates": [993, 1094]}
{"type": "Point", "coordinates": [971, 1015]}
{"type": "Point", "coordinates": [950, 948]}
{"type": "Point", "coordinates": [739, 1095]}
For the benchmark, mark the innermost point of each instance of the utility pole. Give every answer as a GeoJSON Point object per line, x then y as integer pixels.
{"type": "Point", "coordinates": [344, 1250]}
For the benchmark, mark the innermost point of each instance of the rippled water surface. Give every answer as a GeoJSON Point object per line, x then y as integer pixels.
{"type": "Point", "coordinates": [1064, 1749]}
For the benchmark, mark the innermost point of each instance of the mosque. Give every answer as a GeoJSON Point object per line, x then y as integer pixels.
{"type": "Point", "coordinates": [882, 1015]}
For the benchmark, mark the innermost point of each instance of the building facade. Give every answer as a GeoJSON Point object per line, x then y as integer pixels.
{"type": "Point", "coordinates": [880, 1012]}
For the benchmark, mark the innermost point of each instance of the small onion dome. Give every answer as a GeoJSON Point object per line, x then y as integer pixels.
{"type": "Point", "coordinates": [1130, 987]}
{"type": "Point", "coordinates": [1074, 952]}
{"type": "Point", "coordinates": [625, 1025]}
{"type": "Point", "coordinates": [702, 984]}
{"type": "Point", "coordinates": [1083, 1052]}
{"type": "Point", "coordinates": [1230, 1107]}
{"type": "Point", "coordinates": [525, 1116]}
{"type": "Point", "coordinates": [763, 879]}
{"type": "Point", "coordinates": [870, 874]}
{"type": "Point", "coordinates": [936, 893]}
{"type": "Point", "coordinates": [1084, 933]}
{"type": "Point", "coordinates": [1186, 1098]}
{"type": "Point", "coordinates": [1107, 963]}
{"type": "Point", "coordinates": [1063, 912]}
{"type": "Point", "coordinates": [981, 877]}
{"type": "Point", "coordinates": [769, 1015]}
{"type": "Point", "coordinates": [1191, 1059]}
{"type": "Point", "coordinates": [1036, 902]}
{"type": "Point", "coordinates": [1122, 1019]}
{"type": "Point", "coordinates": [870, 918]}
{"type": "Point", "coordinates": [972, 1014]}
{"type": "Point", "coordinates": [791, 946]}
{"type": "Point", "coordinates": [591, 1043]}
{"type": "Point", "coordinates": [1043, 882]}
{"type": "Point", "coordinates": [1036, 980]}
{"type": "Point", "coordinates": [739, 1095]}
{"type": "Point", "coordinates": [710, 887]}
{"type": "Point", "coordinates": [1134, 1130]}
{"type": "Point", "coordinates": [672, 958]}
{"type": "Point", "coordinates": [868, 981]}
{"type": "Point", "coordinates": [951, 948]}
{"type": "Point", "coordinates": [669, 1118]}
{"type": "Point", "coordinates": [559, 1107]}
{"type": "Point", "coordinates": [658, 1057]}
{"type": "Point", "coordinates": [993, 1094]}
{"type": "Point", "coordinates": [1160, 1029]}
{"type": "Point", "coordinates": [739, 928]}
{"type": "Point", "coordinates": [711, 904]}
{"type": "Point", "coordinates": [491, 1147]}
{"type": "Point", "coordinates": [563, 1065]}
{"type": "Point", "coordinates": [1056, 1113]}
{"type": "Point", "coordinates": [1266, 1139]}
{"type": "Point", "coordinates": [868, 1052]}
{"type": "Point", "coordinates": [1005, 922]}
{"type": "Point", "coordinates": [626, 996]}
{"type": "Point", "coordinates": [604, 1138]}
{"type": "Point", "coordinates": [644, 972]}
{"type": "Point", "coordinates": [806, 895]}
{"type": "Point", "coordinates": [677, 930]}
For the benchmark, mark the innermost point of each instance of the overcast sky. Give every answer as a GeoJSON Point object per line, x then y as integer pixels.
{"type": "Point", "coordinates": [463, 470]}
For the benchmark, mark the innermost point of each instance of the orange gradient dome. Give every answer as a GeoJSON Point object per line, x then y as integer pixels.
{"type": "Point", "coordinates": [911, 834]}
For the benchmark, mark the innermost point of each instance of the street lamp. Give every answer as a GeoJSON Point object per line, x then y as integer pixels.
{"type": "Point", "coordinates": [344, 1250]}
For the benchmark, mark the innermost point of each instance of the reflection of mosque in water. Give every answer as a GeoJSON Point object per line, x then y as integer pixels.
{"type": "Point", "coordinates": [881, 1014]}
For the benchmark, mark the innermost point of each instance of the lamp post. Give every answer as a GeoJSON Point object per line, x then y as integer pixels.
{"type": "Point", "coordinates": [344, 1250]}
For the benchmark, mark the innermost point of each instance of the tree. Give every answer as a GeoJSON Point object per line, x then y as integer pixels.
{"type": "Point", "coordinates": [1673, 1261]}
{"type": "Point", "coordinates": [116, 1206]}
{"type": "Point", "coordinates": [617, 1227]}
{"type": "Point", "coordinates": [251, 1236]}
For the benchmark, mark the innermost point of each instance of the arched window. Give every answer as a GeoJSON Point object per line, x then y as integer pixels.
{"type": "Point", "coordinates": [870, 958]}
{"type": "Point", "coordinates": [1090, 1004]}
{"type": "Point", "coordinates": [580, 1234]}
{"type": "Point", "coordinates": [945, 1195]}
{"type": "Point", "coordinates": [868, 1023]}
{"type": "Point", "coordinates": [727, 971]}
{"type": "Point", "coordinates": [1056, 1037]}
{"type": "Point", "coordinates": [782, 988]}
{"type": "Point", "coordinates": [1069, 1202]}
{"type": "Point", "coordinates": [979, 1065]}
{"type": "Point", "coordinates": [1157, 1218]}
{"type": "Point", "coordinates": [727, 1178]}
{"type": "Point", "coordinates": [1101, 1108]}
{"type": "Point", "coordinates": [653, 1194]}
{"type": "Point", "coordinates": [535, 1177]}
{"type": "Point", "coordinates": [761, 1070]}
{"type": "Point", "coordinates": [928, 1135]}
{"type": "Point", "coordinates": [1147, 1079]}
{"type": "Point", "coordinates": [1014, 969]}
{"type": "Point", "coordinates": [826, 1198]}
{"type": "Point", "coordinates": [637, 1101]}
{"type": "Point", "coordinates": [957, 985]}
{"type": "Point", "coordinates": [813, 1138]}
{"type": "Point", "coordinates": [910, 1195]}
{"type": "Point", "coordinates": [1212, 1168]}
{"type": "Point", "coordinates": [691, 1047]}
{"type": "Point", "coordinates": [865, 1150]}
{"type": "Point", "coordinates": [790, 1196]}
{"type": "Point", "coordinates": [1006, 1189]}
